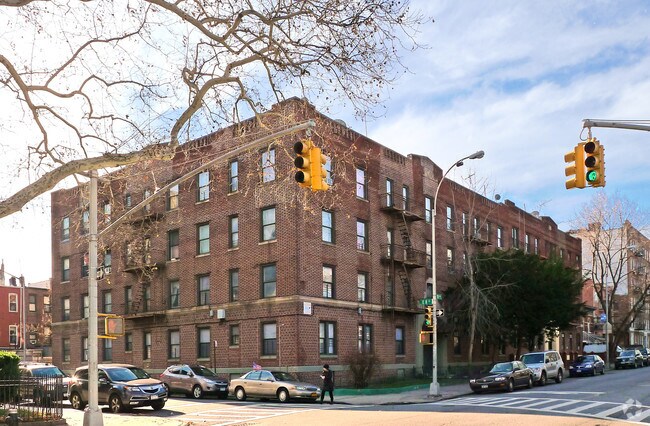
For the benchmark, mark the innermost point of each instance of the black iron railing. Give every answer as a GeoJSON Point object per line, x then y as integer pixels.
{"type": "Point", "coordinates": [32, 399]}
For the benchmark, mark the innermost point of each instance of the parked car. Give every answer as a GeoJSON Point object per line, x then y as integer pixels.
{"type": "Point", "coordinates": [546, 365]}
{"type": "Point", "coordinates": [43, 382]}
{"type": "Point", "coordinates": [644, 353]}
{"type": "Point", "coordinates": [121, 387]}
{"type": "Point", "coordinates": [629, 358]}
{"type": "Point", "coordinates": [194, 380]}
{"type": "Point", "coordinates": [587, 364]}
{"type": "Point", "coordinates": [272, 384]}
{"type": "Point", "coordinates": [504, 376]}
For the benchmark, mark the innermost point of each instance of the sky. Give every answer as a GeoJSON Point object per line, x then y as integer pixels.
{"type": "Point", "coordinates": [512, 78]}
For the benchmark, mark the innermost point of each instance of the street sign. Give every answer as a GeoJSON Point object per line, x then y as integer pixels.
{"type": "Point", "coordinates": [603, 318]}
{"type": "Point", "coordinates": [440, 312]}
{"type": "Point", "coordinates": [438, 296]}
{"type": "Point", "coordinates": [426, 302]}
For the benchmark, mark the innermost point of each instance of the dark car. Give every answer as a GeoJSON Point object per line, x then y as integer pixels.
{"type": "Point", "coordinates": [504, 376]}
{"type": "Point", "coordinates": [587, 365]}
{"type": "Point", "coordinates": [629, 358]}
{"type": "Point", "coordinates": [44, 382]}
{"type": "Point", "coordinates": [194, 380]}
{"type": "Point", "coordinates": [644, 353]}
{"type": "Point", "coordinates": [121, 387]}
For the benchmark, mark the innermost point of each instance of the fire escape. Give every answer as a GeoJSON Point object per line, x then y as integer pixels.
{"type": "Point", "coordinates": [402, 258]}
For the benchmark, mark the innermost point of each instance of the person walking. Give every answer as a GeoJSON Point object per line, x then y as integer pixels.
{"type": "Point", "coordinates": [328, 383]}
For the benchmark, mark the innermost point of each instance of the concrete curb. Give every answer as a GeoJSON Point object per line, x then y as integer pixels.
{"type": "Point", "coordinates": [378, 391]}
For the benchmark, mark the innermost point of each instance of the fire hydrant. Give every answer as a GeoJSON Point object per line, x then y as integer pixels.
{"type": "Point", "coordinates": [12, 418]}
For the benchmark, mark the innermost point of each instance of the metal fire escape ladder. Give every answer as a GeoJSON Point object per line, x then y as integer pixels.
{"type": "Point", "coordinates": [402, 225]}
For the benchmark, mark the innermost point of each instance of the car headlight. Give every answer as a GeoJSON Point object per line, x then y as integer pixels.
{"type": "Point", "coordinates": [472, 380]}
{"type": "Point", "coordinates": [132, 388]}
{"type": "Point", "coordinates": [301, 388]}
{"type": "Point", "coordinates": [588, 365]}
{"type": "Point", "coordinates": [499, 379]}
{"type": "Point", "coordinates": [537, 369]}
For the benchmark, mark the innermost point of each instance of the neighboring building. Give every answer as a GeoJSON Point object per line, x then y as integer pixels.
{"type": "Point", "coordinates": [239, 265]}
{"type": "Point", "coordinates": [32, 302]}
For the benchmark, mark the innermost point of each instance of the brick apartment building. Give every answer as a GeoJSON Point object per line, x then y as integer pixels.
{"type": "Point", "coordinates": [32, 301]}
{"type": "Point", "coordinates": [239, 265]}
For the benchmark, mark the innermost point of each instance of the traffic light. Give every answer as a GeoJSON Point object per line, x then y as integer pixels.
{"type": "Point", "coordinates": [114, 326]}
{"type": "Point", "coordinates": [576, 168]}
{"type": "Point", "coordinates": [426, 337]}
{"type": "Point", "coordinates": [428, 317]}
{"type": "Point", "coordinates": [595, 163]}
{"type": "Point", "coordinates": [311, 166]}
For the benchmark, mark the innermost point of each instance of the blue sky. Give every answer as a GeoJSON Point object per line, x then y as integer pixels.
{"type": "Point", "coordinates": [512, 78]}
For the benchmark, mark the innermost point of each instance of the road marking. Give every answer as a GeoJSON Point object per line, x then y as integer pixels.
{"type": "Point", "coordinates": [540, 402]}
{"type": "Point", "coordinates": [606, 413]}
{"type": "Point", "coordinates": [584, 407]}
{"type": "Point", "coordinates": [566, 392]}
{"type": "Point", "coordinates": [640, 416]}
{"type": "Point", "coordinates": [520, 401]}
{"type": "Point", "coordinates": [562, 404]}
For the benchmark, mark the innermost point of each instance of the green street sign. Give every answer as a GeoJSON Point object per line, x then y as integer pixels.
{"type": "Point", "coordinates": [438, 296]}
{"type": "Point", "coordinates": [426, 302]}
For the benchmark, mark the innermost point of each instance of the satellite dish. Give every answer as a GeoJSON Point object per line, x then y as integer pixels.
{"type": "Point", "coordinates": [497, 197]}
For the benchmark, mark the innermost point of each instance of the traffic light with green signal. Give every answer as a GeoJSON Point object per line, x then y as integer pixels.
{"type": "Point", "coordinates": [576, 170]}
{"type": "Point", "coordinates": [594, 163]}
{"type": "Point", "coordinates": [428, 317]}
{"type": "Point", "coordinates": [311, 166]}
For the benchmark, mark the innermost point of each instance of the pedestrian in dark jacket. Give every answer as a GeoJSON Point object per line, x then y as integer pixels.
{"type": "Point", "coordinates": [328, 383]}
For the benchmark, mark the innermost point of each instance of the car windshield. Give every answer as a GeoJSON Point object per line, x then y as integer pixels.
{"type": "Point", "coordinates": [52, 371]}
{"type": "Point", "coordinates": [121, 374]}
{"type": "Point", "coordinates": [627, 353]}
{"type": "Point", "coordinates": [284, 377]}
{"type": "Point", "coordinates": [533, 358]}
{"type": "Point", "coordinates": [502, 367]}
{"type": "Point", "coordinates": [139, 373]}
{"type": "Point", "coordinates": [588, 358]}
{"type": "Point", "coordinates": [200, 370]}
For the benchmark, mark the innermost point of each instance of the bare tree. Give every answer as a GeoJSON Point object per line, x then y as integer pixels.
{"type": "Point", "coordinates": [93, 85]}
{"type": "Point", "coordinates": [615, 258]}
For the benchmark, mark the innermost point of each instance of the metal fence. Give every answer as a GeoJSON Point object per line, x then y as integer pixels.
{"type": "Point", "coordinates": [32, 398]}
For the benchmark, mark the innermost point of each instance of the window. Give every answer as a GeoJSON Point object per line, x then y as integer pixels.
{"type": "Point", "coordinates": [527, 243]}
{"type": "Point", "coordinates": [233, 284]}
{"type": "Point", "coordinates": [65, 269]}
{"type": "Point", "coordinates": [204, 343]}
{"type": "Point", "coordinates": [108, 349]}
{"type": "Point", "coordinates": [32, 303]}
{"type": "Point", "coordinates": [46, 304]}
{"type": "Point", "coordinates": [499, 237]}
{"type": "Point", "coordinates": [107, 297]}
{"type": "Point", "coordinates": [362, 235]}
{"type": "Point", "coordinates": [389, 193]}
{"type": "Point", "coordinates": [361, 190]}
{"type": "Point", "coordinates": [476, 227]}
{"type": "Point", "coordinates": [128, 342]}
{"type": "Point", "coordinates": [173, 245]}
{"type": "Point", "coordinates": [13, 335]}
{"type": "Point", "coordinates": [536, 246]}
{"type": "Point", "coordinates": [329, 177]}
{"type": "Point", "coordinates": [108, 260]}
{"type": "Point", "coordinates": [233, 176]}
{"type": "Point", "coordinates": [174, 294]}
{"type": "Point", "coordinates": [399, 340]}
{"type": "Point", "coordinates": [145, 196]}
{"type": "Point", "coordinates": [128, 299]}
{"type": "Point", "coordinates": [268, 165]}
{"type": "Point", "coordinates": [450, 259]}
{"type": "Point", "coordinates": [362, 286]}
{"type": "Point", "coordinates": [84, 265]}
{"type": "Point", "coordinates": [174, 349]}
{"type": "Point", "coordinates": [146, 345]}
{"type": "Point", "coordinates": [327, 338]}
{"type": "Point", "coordinates": [450, 218]}
{"type": "Point", "coordinates": [269, 339]}
{"type": "Point", "coordinates": [203, 290]}
{"type": "Point", "coordinates": [127, 200]}
{"type": "Point", "coordinates": [234, 335]}
{"type": "Point", "coordinates": [233, 231]}
{"type": "Point", "coordinates": [172, 197]}
{"type": "Point", "coordinates": [84, 348]}
{"type": "Point", "coordinates": [427, 250]}
{"type": "Point", "coordinates": [13, 302]}
{"type": "Point", "coordinates": [85, 306]}
{"type": "Point", "coordinates": [428, 206]}
{"type": "Point", "coordinates": [515, 237]}
{"type": "Point", "coordinates": [203, 238]}
{"type": "Point", "coordinates": [488, 236]}
{"type": "Point", "coordinates": [268, 280]}
{"type": "Point", "coordinates": [146, 297]}
{"type": "Point", "coordinates": [65, 303]}
{"type": "Point", "coordinates": [328, 282]}
{"type": "Point", "coordinates": [203, 186]}
{"type": "Point", "coordinates": [327, 226]}
{"type": "Point", "coordinates": [268, 224]}
{"type": "Point", "coordinates": [65, 349]}
{"type": "Point", "coordinates": [85, 222]}
{"type": "Point", "coordinates": [389, 241]}
{"type": "Point", "coordinates": [364, 338]}
{"type": "Point", "coordinates": [65, 229]}
{"type": "Point", "coordinates": [405, 197]}
{"type": "Point", "coordinates": [465, 224]}
{"type": "Point", "coordinates": [106, 211]}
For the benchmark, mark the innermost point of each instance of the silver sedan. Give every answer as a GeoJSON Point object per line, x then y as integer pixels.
{"type": "Point", "coordinates": [272, 385]}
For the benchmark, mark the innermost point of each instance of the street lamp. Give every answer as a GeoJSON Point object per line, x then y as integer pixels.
{"type": "Point", "coordinates": [434, 388]}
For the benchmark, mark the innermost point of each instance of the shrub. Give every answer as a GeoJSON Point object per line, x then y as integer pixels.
{"type": "Point", "coordinates": [362, 366]}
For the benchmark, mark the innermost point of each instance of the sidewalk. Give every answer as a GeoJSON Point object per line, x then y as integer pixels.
{"type": "Point", "coordinates": [397, 395]}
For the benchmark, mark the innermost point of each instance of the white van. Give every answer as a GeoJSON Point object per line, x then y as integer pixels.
{"type": "Point", "coordinates": [545, 365]}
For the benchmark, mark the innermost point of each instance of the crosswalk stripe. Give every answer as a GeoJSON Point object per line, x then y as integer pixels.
{"type": "Point", "coordinates": [562, 404]}
{"type": "Point", "coordinates": [606, 413]}
{"type": "Point", "coordinates": [639, 416]}
{"type": "Point", "coordinates": [584, 407]}
{"type": "Point", "coordinates": [540, 402]}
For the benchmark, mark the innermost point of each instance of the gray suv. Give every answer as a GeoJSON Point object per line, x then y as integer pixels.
{"type": "Point", "coordinates": [546, 365]}
{"type": "Point", "coordinates": [121, 387]}
{"type": "Point", "coordinates": [194, 380]}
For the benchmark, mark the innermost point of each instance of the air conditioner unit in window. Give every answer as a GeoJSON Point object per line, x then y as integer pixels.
{"type": "Point", "coordinates": [221, 314]}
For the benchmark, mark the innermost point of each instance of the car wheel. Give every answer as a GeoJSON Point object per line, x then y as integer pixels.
{"type": "Point", "coordinates": [511, 385]}
{"type": "Point", "coordinates": [76, 401]}
{"type": "Point", "coordinates": [530, 382]}
{"type": "Point", "coordinates": [197, 392]}
{"type": "Point", "coordinates": [593, 371]}
{"type": "Point", "coordinates": [559, 377]}
{"type": "Point", "coordinates": [283, 395]}
{"type": "Point", "coordinates": [542, 379]}
{"type": "Point", "coordinates": [158, 405]}
{"type": "Point", "coordinates": [115, 404]}
{"type": "Point", "coordinates": [240, 394]}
